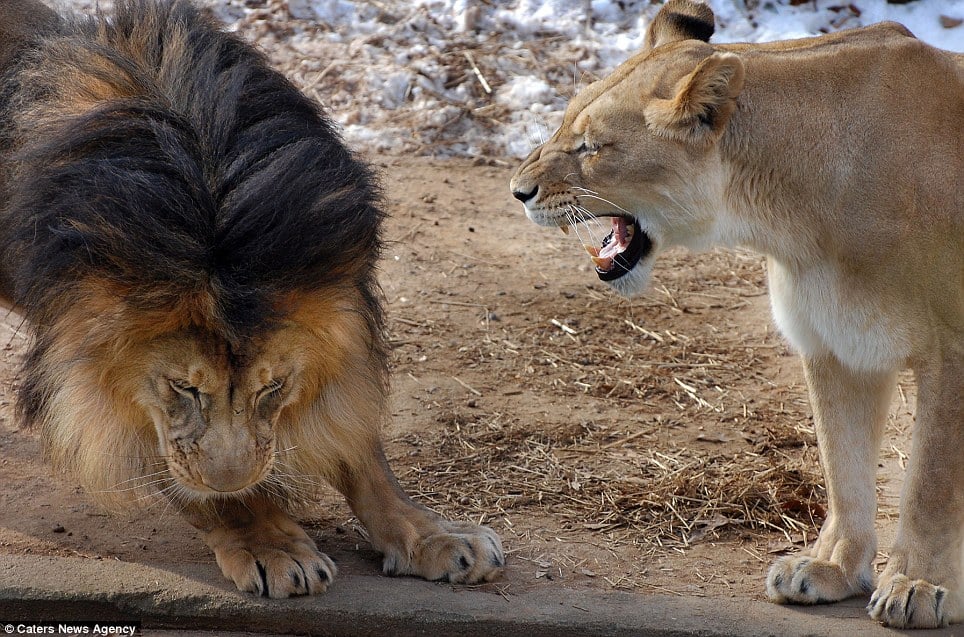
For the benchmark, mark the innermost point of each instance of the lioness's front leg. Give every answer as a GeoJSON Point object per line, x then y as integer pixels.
{"type": "Point", "coordinates": [413, 539]}
{"type": "Point", "coordinates": [850, 410]}
{"type": "Point", "coordinates": [261, 549]}
{"type": "Point", "coordinates": [923, 583]}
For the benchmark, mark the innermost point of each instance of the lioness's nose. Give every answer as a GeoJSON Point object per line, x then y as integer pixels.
{"type": "Point", "coordinates": [524, 196]}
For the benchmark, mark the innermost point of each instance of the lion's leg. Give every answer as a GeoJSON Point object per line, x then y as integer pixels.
{"type": "Point", "coordinates": [922, 585]}
{"type": "Point", "coordinates": [261, 549]}
{"type": "Point", "coordinates": [413, 539]}
{"type": "Point", "coordinates": [339, 438]}
{"type": "Point", "coordinates": [850, 410]}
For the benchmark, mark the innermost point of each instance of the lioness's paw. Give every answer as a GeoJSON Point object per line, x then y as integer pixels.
{"type": "Point", "coordinates": [901, 602]}
{"type": "Point", "coordinates": [277, 568]}
{"type": "Point", "coordinates": [459, 553]}
{"type": "Point", "coordinates": [805, 580]}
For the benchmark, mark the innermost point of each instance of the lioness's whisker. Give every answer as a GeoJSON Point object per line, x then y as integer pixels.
{"type": "Point", "coordinates": [678, 205]}
{"type": "Point", "coordinates": [578, 214]}
{"type": "Point", "coordinates": [585, 190]}
{"type": "Point", "coordinates": [573, 215]}
{"type": "Point", "coordinates": [575, 226]}
{"type": "Point", "coordinates": [589, 221]}
{"type": "Point", "coordinates": [573, 222]}
{"type": "Point", "coordinates": [606, 201]}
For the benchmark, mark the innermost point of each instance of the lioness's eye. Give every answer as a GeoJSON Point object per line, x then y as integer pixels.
{"type": "Point", "coordinates": [586, 148]}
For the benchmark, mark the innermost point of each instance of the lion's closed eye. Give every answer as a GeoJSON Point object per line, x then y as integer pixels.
{"type": "Point", "coordinates": [269, 399]}
{"type": "Point", "coordinates": [185, 389]}
{"type": "Point", "coordinates": [272, 388]}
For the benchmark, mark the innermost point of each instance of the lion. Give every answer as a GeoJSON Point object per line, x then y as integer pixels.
{"type": "Point", "coordinates": [840, 158]}
{"type": "Point", "coordinates": [194, 250]}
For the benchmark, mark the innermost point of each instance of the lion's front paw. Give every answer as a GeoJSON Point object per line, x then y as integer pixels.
{"type": "Point", "coordinates": [458, 552]}
{"type": "Point", "coordinates": [900, 602]}
{"type": "Point", "coordinates": [805, 580]}
{"type": "Point", "coordinates": [272, 563]}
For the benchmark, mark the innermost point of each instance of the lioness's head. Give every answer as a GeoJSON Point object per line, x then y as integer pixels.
{"type": "Point", "coordinates": [640, 147]}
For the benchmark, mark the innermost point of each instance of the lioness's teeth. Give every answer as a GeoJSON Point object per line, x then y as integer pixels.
{"type": "Point", "coordinates": [564, 227]}
{"type": "Point", "coordinates": [602, 262]}
{"type": "Point", "coordinates": [592, 250]}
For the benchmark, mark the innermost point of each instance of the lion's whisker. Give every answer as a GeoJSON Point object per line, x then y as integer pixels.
{"type": "Point", "coordinates": [157, 459]}
{"type": "Point", "coordinates": [271, 488]}
{"type": "Point", "coordinates": [158, 492]}
{"type": "Point", "coordinates": [296, 481]}
{"type": "Point", "coordinates": [133, 488]}
{"type": "Point", "coordinates": [141, 477]}
{"type": "Point", "coordinates": [158, 495]}
{"type": "Point", "coordinates": [175, 496]}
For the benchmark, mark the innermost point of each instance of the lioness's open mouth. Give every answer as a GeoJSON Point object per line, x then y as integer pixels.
{"type": "Point", "coordinates": [621, 249]}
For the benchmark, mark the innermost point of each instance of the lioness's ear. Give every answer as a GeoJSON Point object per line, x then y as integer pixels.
{"type": "Point", "coordinates": [680, 20]}
{"type": "Point", "coordinates": [703, 103]}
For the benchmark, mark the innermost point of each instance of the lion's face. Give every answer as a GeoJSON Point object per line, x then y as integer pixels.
{"type": "Point", "coordinates": [225, 416]}
{"type": "Point", "coordinates": [638, 148]}
{"type": "Point", "coordinates": [141, 400]}
{"type": "Point", "coordinates": [215, 413]}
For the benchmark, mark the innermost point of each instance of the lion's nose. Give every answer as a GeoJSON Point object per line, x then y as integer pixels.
{"type": "Point", "coordinates": [524, 196]}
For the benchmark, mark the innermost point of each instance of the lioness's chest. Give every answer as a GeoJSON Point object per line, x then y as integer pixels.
{"type": "Point", "coordinates": [819, 311]}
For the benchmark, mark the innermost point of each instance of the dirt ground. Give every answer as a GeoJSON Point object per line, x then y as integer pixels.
{"type": "Point", "coordinates": [662, 444]}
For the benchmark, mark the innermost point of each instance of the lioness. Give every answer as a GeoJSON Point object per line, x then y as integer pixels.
{"type": "Point", "coordinates": [194, 250]}
{"type": "Point", "coordinates": [841, 158]}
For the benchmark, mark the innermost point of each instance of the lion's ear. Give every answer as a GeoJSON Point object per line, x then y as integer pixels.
{"type": "Point", "coordinates": [680, 20]}
{"type": "Point", "coordinates": [703, 103]}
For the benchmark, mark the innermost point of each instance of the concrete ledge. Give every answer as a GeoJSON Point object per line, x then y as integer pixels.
{"type": "Point", "coordinates": [197, 597]}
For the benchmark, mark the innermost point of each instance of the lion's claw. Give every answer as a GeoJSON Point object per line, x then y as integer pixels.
{"type": "Point", "coordinates": [278, 571]}
{"type": "Point", "coordinates": [460, 553]}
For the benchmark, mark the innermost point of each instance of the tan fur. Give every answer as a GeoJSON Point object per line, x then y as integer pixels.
{"type": "Point", "coordinates": [842, 159]}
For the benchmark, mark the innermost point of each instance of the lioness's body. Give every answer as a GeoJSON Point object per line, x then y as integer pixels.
{"type": "Point", "coordinates": [842, 159]}
{"type": "Point", "coordinates": [876, 271]}
{"type": "Point", "coordinates": [193, 249]}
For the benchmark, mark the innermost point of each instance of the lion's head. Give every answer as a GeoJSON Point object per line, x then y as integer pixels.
{"type": "Point", "coordinates": [134, 401]}
{"type": "Point", "coordinates": [640, 147]}
{"type": "Point", "coordinates": [201, 289]}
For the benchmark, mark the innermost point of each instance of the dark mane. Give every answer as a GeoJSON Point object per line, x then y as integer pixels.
{"type": "Point", "coordinates": [150, 149]}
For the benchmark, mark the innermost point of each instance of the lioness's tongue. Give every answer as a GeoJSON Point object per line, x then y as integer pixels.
{"type": "Point", "coordinates": [614, 244]}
